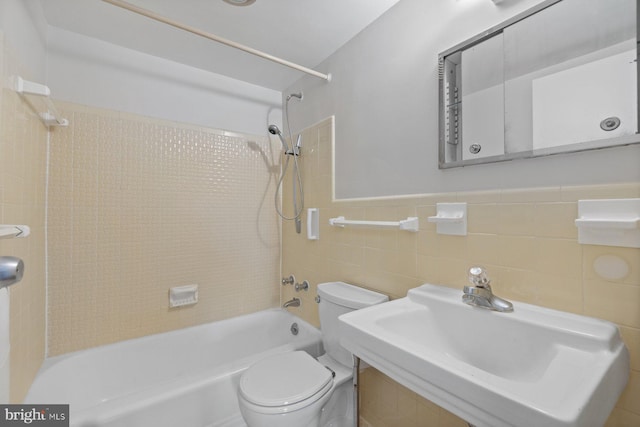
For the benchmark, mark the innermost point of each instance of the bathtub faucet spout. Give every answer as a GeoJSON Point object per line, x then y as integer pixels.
{"type": "Point", "coordinates": [292, 303]}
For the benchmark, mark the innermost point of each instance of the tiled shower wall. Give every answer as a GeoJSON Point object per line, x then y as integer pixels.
{"type": "Point", "coordinates": [23, 156]}
{"type": "Point", "coordinates": [136, 206]}
{"type": "Point", "coordinates": [525, 238]}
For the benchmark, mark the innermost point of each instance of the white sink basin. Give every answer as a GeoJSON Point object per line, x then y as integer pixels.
{"type": "Point", "coordinates": [530, 368]}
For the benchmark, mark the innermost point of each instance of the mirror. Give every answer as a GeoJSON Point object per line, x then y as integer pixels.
{"type": "Point", "coordinates": [558, 78]}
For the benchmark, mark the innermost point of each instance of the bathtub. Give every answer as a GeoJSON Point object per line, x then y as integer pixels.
{"type": "Point", "coordinates": [184, 378]}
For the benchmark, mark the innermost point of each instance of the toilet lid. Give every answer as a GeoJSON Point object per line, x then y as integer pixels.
{"type": "Point", "coordinates": [284, 379]}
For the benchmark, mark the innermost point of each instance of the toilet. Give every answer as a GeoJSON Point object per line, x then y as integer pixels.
{"type": "Point", "coordinates": [295, 390]}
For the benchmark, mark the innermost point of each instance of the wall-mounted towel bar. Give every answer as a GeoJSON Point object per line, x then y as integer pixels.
{"type": "Point", "coordinates": [12, 231]}
{"type": "Point", "coordinates": [37, 96]}
{"type": "Point", "coordinates": [409, 224]}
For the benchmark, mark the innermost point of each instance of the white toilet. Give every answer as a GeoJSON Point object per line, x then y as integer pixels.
{"type": "Point", "coordinates": [294, 389]}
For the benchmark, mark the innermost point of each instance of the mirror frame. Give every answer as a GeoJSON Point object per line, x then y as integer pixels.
{"type": "Point", "coordinates": [563, 149]}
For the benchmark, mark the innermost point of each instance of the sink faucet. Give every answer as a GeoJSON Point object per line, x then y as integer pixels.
{"type": "Point", "coordinates": [480, 295]}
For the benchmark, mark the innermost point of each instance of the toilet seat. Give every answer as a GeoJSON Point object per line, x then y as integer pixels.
{"type": "Point", "coordinates": [284, 382]}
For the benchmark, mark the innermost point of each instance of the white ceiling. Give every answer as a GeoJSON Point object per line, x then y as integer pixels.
{"type": "Point", "coordinates": [301, 31]}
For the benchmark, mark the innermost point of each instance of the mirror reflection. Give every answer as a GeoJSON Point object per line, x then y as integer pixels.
{"type": "Point", "coordinates": [560, 77]}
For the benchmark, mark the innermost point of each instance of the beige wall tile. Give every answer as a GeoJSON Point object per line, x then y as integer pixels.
{"type": "Point", "coordinates": [630, 399]}
{"type": "Point", "coordinates": [453, 271]}
{"type": "Point", "coordinates": [451, 246]}
{"type": "Point", "coordinates": [447, 419]}
{"type": "Point", "coordinates": [427, 243]}
{"type": "Point", "coordinates": [428, 269]}
{"type": "Point", "coordinates": [23, 151]}
{"type": "Point", "coordinates": [385, 403]}
{"type": "Point", "coordinates": [612, 301]}
{"type": "Point", "coordinates": [516, 219]}
{"type": "Point", "coordinates": [148, 205]}
{"type": "Point", "coordinates": [622, 418]}
{"type": "Point", "coordinates": [527, 240]}
{"type": "Point", "coordinates": [560, 293]}
{"type": "Point", "coordinates": [483, 249]}
{"type": "Point", "coordinates": [428, 413]}
{"type": "Point", "coordinates": [483, 218]}
{"type": "Point", "coordinates": [631, 337]}
{"type": "Point", "coordinates": [518, 252]}
{"type": "Point", "coordinates": [558, 257]}
{"type": "Point", "coordinates": [556, 220]}
{"type": "Point", "coordinates": [514, 284]}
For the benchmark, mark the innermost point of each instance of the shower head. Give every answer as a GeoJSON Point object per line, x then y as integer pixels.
{"type": "Point", "coordinates": [273, 130]}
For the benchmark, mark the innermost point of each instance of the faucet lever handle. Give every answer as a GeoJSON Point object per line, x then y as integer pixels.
{"type": "Point", "coordinates": [478, 277]}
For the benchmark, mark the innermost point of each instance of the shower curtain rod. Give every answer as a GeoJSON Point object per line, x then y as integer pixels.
{"type": "Point", "coordinates": [168, 21]}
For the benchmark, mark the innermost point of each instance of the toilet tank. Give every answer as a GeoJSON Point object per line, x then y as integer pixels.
{"type": "Point", "coordinates": [337, 298]}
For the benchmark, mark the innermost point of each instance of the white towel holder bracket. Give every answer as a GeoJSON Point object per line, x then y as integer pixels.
{"type": "Point", "coordinates": [38, 97]}
{"type": "Point", "coordinates": [14, 231]}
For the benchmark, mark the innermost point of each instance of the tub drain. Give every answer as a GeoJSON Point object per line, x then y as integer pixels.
{"type": "Point", "coordinates": [294, 329]}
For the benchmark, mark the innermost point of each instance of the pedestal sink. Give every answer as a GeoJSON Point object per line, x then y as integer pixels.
{"type": "Point", "coordinates": [534, 367]}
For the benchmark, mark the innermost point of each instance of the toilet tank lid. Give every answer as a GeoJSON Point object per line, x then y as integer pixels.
{"type": "Point", "coordinates": [349, 296]}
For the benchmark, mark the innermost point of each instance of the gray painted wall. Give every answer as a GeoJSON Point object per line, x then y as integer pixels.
{"type": "Point", "coordinates": [384, 94]}
{"type": "Point", "coordinates": [24, 28]}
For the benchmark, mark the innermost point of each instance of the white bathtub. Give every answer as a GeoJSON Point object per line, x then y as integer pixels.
{"type": "Point", "coordinates": [185, 378]}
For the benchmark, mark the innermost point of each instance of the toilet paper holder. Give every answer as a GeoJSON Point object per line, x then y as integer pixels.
{"type": "Point", "coordinates": [11, 270]}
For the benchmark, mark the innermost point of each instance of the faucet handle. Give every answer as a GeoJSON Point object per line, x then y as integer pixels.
{"type": "Point", "coordinates": [288, 280]}
{"type": "Point", "coordinates": [478, 277]}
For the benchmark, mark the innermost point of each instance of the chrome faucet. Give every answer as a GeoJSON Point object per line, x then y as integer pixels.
{"type": "Point", "coordinates": [480, 295]}
{"type": "Point", "coordinates": [292, 303]}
